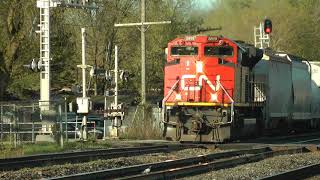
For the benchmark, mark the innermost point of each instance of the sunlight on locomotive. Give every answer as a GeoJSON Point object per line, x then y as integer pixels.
{"type": "Point", "coordinates": [199, 66]}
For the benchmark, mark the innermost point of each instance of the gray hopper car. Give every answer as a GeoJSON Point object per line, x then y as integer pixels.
{"type": "Point", "coordinates": [292, 90]}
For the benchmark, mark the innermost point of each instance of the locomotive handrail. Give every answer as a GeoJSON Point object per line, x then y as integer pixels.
{"type": "Point", "coordinates": [174, 87]}
{"type": "Point", "coordinates": [166, 98]}
{"type": "Point", "coordinates": [232, 103]}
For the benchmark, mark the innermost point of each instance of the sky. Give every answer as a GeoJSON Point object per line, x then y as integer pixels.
{"type": "Point", "coordinates": [205, 3]}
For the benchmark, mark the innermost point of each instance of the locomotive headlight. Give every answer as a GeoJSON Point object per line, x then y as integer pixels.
{"type": "Point", "coordinates": [199, 67]}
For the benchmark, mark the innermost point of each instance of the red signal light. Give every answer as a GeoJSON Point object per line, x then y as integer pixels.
{"type": "Point", "coordinates": [268, 30]}
{"type": "Point", "coordinates": [267, 26]}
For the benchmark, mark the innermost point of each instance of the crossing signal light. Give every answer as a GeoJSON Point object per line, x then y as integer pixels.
{"type": "Point", "coordinates": [267, 26]}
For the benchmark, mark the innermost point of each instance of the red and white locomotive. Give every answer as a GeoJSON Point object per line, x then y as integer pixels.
{"type": "Point", "coordinates": [216, 89]}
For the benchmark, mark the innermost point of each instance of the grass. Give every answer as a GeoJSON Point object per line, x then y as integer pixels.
{"type": "Point", "coordinates": [40, 148]}
{"type": "Point", "coordinates": [8, 151]}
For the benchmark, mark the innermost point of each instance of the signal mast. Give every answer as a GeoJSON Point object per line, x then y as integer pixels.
{"type": "Point", "coordinates": [262, 34]}
{"type": "Point", "coordinates": [44, 62]}
{"type": "Point", "coordinates": [43, 65]}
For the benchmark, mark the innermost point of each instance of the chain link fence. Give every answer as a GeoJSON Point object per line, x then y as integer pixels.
{"type": "Point", "coordinates": [16, 125]}
{"type": "Point", "coordinates": [22, 123]}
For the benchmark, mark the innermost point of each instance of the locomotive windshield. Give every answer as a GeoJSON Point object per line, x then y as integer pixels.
{"type": "Point", "coordinates": [184, 51]}
{"type": "Point", "coordinates": [218, 51]}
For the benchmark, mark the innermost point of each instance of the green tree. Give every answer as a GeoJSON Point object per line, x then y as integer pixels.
{"type": "Point", "coordinates": [16, 18]}
{"type": "Point", "coordinates": [19, 44]}
{"type": "Point", "coordinates": [295, 23]}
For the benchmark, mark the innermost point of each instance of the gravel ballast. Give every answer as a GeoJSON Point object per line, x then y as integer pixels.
{"type": "Point", "coordinates": [266, 167]}
{"type": "Point", "coordinates": [255, 170]}
{"type": "Point", "coordinates": [68, 169]}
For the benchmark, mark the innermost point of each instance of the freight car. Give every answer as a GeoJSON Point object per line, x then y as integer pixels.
{"type": "Point", "coordinates": [217, 89]}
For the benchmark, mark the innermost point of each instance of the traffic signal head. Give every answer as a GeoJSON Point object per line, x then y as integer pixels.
{"type": "Point", "coordinates": [267, 26]}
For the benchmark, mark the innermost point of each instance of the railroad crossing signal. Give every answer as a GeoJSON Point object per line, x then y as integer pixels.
{"type": "Point", "coordinates": [143, 24]}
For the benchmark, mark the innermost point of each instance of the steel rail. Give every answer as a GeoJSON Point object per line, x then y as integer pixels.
{"type": "Point", "coordinates": [84, 156]}
{"type": "Point", "coordinates": [285, 139]}
{"type": "Point", "coordinates": [176, 166]}
{"type": "Point", "coordinates": [296, 174]}
{"type": "Point", "coordinates": [195, 169]}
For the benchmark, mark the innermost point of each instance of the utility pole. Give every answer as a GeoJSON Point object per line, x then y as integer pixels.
{"type": "Point", "coordinates": [143, 28]}
{"type": "Point", "coordinates": [143, 52]}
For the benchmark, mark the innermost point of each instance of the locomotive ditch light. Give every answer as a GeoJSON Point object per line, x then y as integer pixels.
{"type": "Point", "coordinates": [267, 26]}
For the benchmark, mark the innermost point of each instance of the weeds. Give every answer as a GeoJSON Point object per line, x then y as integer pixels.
{"type": "Point", "coordinates": [143, 126]}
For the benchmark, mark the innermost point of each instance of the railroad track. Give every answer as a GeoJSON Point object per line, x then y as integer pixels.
{"type": "Point", "coordinates": [288, 139]}
{"type": "Point", "coordinates": [187, 166]}
{"type": "Point", "coordinates": [297, 174]}
{"type": "Point", "coordinates": [85, 156]}
{"type": "Point", "coordinates": [310, 141]}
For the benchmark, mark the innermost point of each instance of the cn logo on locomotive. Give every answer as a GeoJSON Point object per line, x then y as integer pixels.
{"type": "Point", "coordinates": [215, 88]}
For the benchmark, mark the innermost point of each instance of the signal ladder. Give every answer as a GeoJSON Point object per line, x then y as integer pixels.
{"type": "Point", "coordinates": [261, 39]}
{"type": "Point", "coordinates": [44, 53]}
